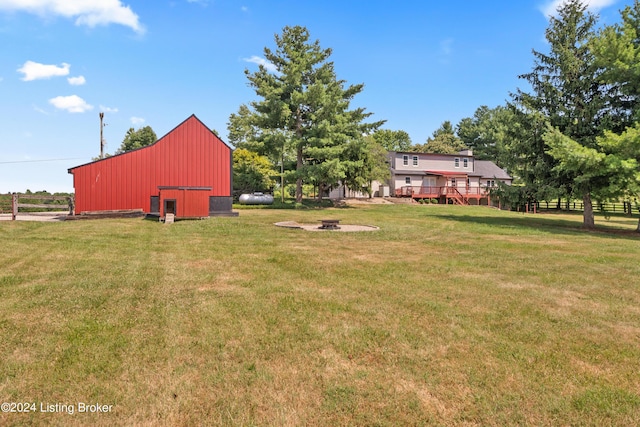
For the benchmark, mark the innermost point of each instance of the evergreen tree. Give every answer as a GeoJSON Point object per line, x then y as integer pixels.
{"type": "Point", "coordinates": [526, 157]}
{"type": "Point", "coordinates": [569, 93]}
{"type": "Point", "coordinates": [610, 169]}
{"type": "Point", "coordinates": [303, 110]}
{"type": "Point", "coordinates": [617, 52]}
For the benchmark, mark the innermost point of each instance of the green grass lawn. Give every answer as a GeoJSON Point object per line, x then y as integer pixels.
{"type": "Point", "coordinates": [445, 316]}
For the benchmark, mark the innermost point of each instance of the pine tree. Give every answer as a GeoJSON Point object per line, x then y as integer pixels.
{"type": "Point", "coordinates": [617, 52]}
{"type": "Point", "coordinates": [569, 94]}
{"type": "Point", "coordinates": [303, 111]}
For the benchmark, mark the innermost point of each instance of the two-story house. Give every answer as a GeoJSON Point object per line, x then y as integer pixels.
{"type": "Point", "coordinates": [449, 178]}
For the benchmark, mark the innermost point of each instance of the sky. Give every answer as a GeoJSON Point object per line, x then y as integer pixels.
{"type": "Point", "coordinates": [154, 64]}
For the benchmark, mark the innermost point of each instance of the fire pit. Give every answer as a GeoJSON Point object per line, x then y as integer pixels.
{"type": "Point", "coordinates": [314, 227]}
{"type": "Point", "coordinates": [329, 224]}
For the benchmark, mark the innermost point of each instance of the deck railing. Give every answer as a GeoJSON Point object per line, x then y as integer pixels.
{"type": "Point", "coordinates": [429, 191]}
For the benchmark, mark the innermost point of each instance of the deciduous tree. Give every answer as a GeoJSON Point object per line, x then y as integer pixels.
{"type": "Point", "coordinates": [251, 172]}
{"type": "Point", "coordinates": [486, 133]}
{"type": "Point", "coordinates": [393, 140]}
{"type": "Point", "coordinates": [137, 139]}
{"type": "Point", "coordinates": [443, 141]}
{"type": "Point", "coordinates": [368, 162]}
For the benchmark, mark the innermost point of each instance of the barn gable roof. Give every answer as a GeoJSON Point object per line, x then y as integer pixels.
{"type": "Point", "coordinates": [192, 116]}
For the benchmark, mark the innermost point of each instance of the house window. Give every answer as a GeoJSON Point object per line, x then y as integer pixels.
{"type": "Point", "coordinates": [491, 183]}
{"type": "Point", "coordinates": [456, 162]}
{"type": "Point", "coordinates": [405, 160]}
{"type": "Point", "coordinates": [407, 180]}
{"type": "Point", "coordinates": [465, 163]}
{"type": "Point", "coordinates": [415, 160]}
{"type": "Point", "coordinates": [468, 182]}
{"type": "Point", "coordinates": [453, 182]}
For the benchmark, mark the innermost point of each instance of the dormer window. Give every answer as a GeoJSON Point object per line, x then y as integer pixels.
{"type": "Point", "coordinates": [465, 163]}
{"type": "Point", "coordinates": [456, 162]}
{"type": "Point", "coordinates": [405, 160]}
{"type": "Point", "coordinates": [415, 160]}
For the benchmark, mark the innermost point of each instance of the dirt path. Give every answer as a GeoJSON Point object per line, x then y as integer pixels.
{"type": "Point", "coordinates": [36, 216]}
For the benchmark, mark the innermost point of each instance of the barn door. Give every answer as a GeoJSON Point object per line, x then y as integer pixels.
{"type": "Point", "coordinates": [155, 204]}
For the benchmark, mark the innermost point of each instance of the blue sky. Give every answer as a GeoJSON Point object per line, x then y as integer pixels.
{"type": "Point", "coordinates": [155, 63]}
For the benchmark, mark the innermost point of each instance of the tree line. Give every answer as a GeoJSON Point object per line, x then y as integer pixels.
{"type": "Point", "coordinates": [574, 133]}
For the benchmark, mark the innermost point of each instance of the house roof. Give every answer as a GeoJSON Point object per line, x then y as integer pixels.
{"type": "Point", "coordinates": [463, 153]}
{"type": "Point", "coordinates": [488, 169]}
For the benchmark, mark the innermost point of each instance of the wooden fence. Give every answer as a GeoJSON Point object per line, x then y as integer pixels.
{"type": "Point", "coordinates": [45, 202]}
{"type": "Point", "coordinates": [574, 205]}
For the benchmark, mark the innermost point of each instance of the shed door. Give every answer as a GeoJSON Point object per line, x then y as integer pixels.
{"type": "Point", "coordinates": [170, 206]}
{"type": "Point", "coordinates": [155, 204]}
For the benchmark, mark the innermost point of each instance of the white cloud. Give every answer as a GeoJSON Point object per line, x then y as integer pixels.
{"type": "Point", "coordinates": [108, 109]}
{"type": "Point", "coordinates": [261, 61]}
{"type": "Point", "coordinates": [137, 121]}
{"type": "Point", "coordinates": [40, 110]}
{"type": "Point", "coordinates": [86, 12]}
{"type": "Point", "coordinates": [244, 9]}
{"type": "Point", "coordinates": [36, 71]}
{"type": "Point", "coordinates": [76, 81]}
{"type": "Point", "coordinates": [72, 103]}
{"type": "Point", "coordinates": [550, 8]}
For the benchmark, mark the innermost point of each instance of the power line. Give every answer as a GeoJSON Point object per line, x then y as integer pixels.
{"type": "Point", "coordinates": [42, 160]}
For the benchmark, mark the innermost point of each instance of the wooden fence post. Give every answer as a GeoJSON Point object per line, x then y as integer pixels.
{"type": "Point", "coordinates": [14, 206]}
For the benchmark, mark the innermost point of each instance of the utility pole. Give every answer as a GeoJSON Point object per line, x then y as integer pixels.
{"type": "Point", "coordinates": [101, 138]}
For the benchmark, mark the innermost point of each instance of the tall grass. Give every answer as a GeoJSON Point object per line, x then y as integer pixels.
{"type": "Point", "coordinates": [445, 316]}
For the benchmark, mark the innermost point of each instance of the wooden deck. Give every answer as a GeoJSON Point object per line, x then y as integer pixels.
{"type": "Point", "coordinates": [457, 195]}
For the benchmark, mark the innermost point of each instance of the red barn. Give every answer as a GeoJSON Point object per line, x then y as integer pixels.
{"type": "Point", "coordinates": [187, 172]}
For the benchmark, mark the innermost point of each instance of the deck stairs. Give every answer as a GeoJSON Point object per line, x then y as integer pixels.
{"type": "Point", "coordinates": [457, 197]}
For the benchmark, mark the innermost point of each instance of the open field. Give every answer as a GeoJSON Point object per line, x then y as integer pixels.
{"type": "Point", "coordinates": [445, 316]}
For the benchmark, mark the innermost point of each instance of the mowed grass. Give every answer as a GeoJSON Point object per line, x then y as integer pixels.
{"type": "Point", "coordinates": [445, 316]}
